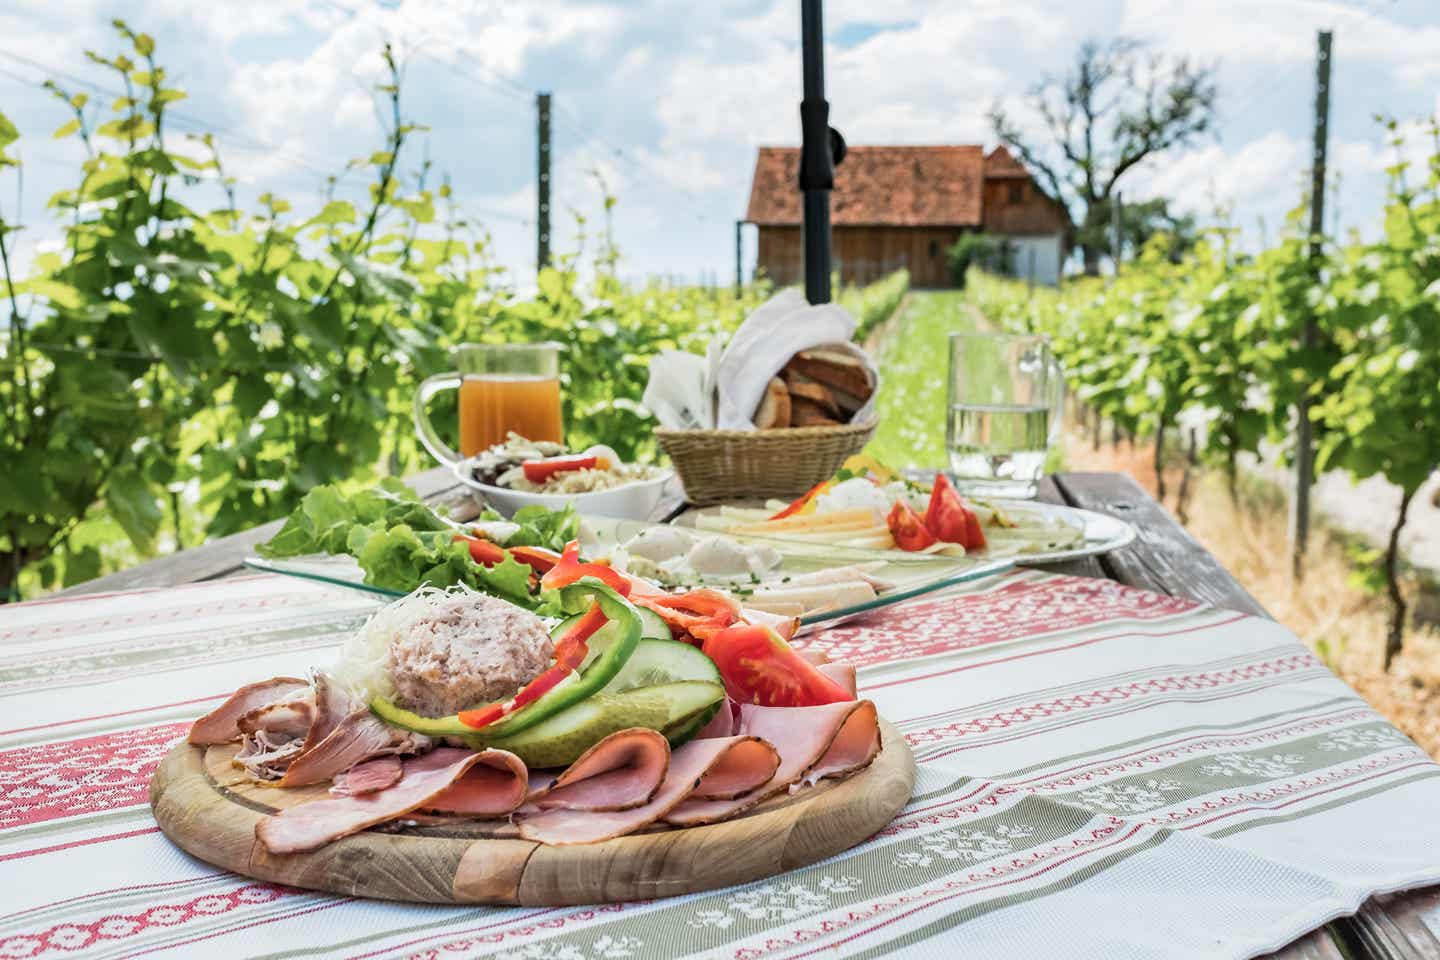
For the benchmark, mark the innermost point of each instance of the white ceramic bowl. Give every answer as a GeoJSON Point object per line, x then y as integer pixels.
{"type": "Point", "coordinates": [633, 501]}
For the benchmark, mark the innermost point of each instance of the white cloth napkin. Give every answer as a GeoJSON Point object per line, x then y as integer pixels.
{"type": "Point", "coordinates": [722, 389]}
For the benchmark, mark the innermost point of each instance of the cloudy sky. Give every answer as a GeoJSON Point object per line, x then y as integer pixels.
{"type": "Point", "coordinates": [668, 100]}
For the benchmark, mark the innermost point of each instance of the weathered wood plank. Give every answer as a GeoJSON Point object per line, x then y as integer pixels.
{"type": "Point", "coordinates": [1164, 557]}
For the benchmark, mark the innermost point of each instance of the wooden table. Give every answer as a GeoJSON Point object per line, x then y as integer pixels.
{"type": "Point", "coordinates": [1164, 558]}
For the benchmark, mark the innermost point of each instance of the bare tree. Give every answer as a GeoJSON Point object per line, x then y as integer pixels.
{"type": "Point", "coordinates": [1118, 105]}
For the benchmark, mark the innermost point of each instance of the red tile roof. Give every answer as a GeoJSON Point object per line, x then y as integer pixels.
{"type": "Point", "coordinates": [876, 186]}
{"type": "Point", "coordinates": [1000, 164]}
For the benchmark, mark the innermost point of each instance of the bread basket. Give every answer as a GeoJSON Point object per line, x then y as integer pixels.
{"type": "Point", "coordinates": [717, 465]}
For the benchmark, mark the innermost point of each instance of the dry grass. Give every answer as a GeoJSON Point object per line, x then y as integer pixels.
{"type": "Point", "coordinates": [1333, 614]}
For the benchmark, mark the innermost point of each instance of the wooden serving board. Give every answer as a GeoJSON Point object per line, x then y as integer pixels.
{"type": "Point", "coordinates": [209, 808]}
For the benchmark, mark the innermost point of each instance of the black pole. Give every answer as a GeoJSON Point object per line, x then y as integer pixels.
{"type": "Point", "coordinates": [817, 166]}
{"type": "Point", "coordinates": [542, 181]}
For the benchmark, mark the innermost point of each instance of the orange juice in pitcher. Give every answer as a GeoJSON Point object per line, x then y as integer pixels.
{"type": "Point", "coordinates": [493, 406]}
{"type": "Point", "coordinates": [504, 388]}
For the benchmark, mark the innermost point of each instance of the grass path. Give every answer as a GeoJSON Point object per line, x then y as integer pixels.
{"type": "Point", "coordinates": [913, 369]}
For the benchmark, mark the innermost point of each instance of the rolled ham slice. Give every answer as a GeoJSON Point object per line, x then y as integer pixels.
{"type": "Point", "coordinates": [621, 772]}
{"type": "Point", "coordinates": [371, 776]}
{"type": "Point", "coordinates": [310, 826]}
{"type": "Point", "coordinates": [856, 571]}
{"type": "Point", "coordinates": [688, 767]}
{"type": "Point", "coordinates": [220, 724]}
{"type": "Point", "coordinates": [493, 787]}
{"type": "Point", "coordinates": [783, 625]}
{"type": "Point", "coordinates": [818, 741]}
{"type": "Point", "coordinates": [841, 673]}
{"type": "Point", "coordinates": [824, 596]}
{"type": "Point", "coordinates": [744, 767]}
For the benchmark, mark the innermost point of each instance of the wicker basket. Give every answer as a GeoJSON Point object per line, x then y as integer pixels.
{"type": "Point", "coordinates": [717, 465]}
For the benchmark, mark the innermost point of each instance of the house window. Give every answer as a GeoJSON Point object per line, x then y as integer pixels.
{"type": "Point", "coordinates": [934, 249]}
{"type": "Point", "coordinates": [1017, 193]}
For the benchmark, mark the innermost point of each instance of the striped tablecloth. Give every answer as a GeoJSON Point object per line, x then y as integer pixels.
{"type": "Point", "coordinates": [1103, 772]}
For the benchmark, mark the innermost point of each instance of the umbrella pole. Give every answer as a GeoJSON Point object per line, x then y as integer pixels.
{"type": "Point", "coordinates": [817, 167]}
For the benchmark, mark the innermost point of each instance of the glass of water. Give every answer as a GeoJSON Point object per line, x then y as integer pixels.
{"type": "Point", "coordinates": [1004, 411]}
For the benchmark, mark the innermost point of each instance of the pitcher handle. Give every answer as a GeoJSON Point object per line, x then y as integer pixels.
{"type": "Point", "coordinates": [428, 388]}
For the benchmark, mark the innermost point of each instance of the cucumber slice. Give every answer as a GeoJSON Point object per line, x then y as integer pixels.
{"type": "Point", "coordinates": [652, 626]}
{"type": "Point", "coordinates": [562, 738]}
{"type": "Point", "coordinates": [663, 661]}
{"type": "Point", "coordinates": [683, 732]}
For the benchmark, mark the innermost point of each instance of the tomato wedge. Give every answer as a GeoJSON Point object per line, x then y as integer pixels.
{"type": "Point", "coordinates": [482, 551]}
{"type": "Point", "coordinates": [907, 528]}
{"type": "Point", "coordinates": [797, 505]}
{"type": "Point", "coordinates": [569, 569]}
{"type": "Point", "coordinates": [945, 514]}
{"type": "Point", "coordinates": [947, 517]}
{"type": "Point", "coordinates": [759, 667]}
{"type": "Point", "coordinates": [538, 471]}
{"type": "Point", "coordinates": [570, 651]}
{"type": "Point", "coordinates": [698, 613]}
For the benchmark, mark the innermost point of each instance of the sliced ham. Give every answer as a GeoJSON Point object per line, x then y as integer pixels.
{"type": "Point", "coordinates": [724, 724]}
{"type": "Point", "coordinates": [621, 772]}
{"type": "Point", "coordinates": [841, 673]}
{"type": "Point", "coordinates": [371, 776]}
{"type": "Point", "coordinates": [273, 735]}
{"type": "Point", "coordinates": [290, 718]}
{"type": "Point", "coordinates": [492, 788]}
{"type": "Point", "coordinates": [804, 737]}
{"type": "Point", "coordinates": [688, 767]}
{"type": "Point", "coordinates": [781, 624]}
{"type": "Point", "coordinates": [854, 748]}
{"type": "Point", "coordinates": [219, 725]}
{"type": "Point", "coordinates": [746, 766]}
{"type": "Point", "coordinates": [359, 737]}
{"type": "Point", "coordinates": [309, 826]}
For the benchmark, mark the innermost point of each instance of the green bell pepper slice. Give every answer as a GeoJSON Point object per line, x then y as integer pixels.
{"type": "Point", "coordinates": [620, 637]}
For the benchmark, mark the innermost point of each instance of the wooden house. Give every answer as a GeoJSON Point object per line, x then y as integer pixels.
{"type": "Point", "coordinates": [896, 207]}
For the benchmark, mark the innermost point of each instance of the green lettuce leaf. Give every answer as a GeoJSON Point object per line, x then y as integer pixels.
{"type": "Point", "coordinates": [541, 526]}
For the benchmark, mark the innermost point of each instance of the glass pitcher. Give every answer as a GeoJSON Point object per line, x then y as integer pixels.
{"type": "Point", "coordinates": [504, 388]}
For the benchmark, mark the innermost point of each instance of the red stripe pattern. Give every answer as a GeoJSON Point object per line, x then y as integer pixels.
{"type": "Point", "coordinates": [71, 778]}
{"type": "Point", "coordinates": [70, 937]}
{"type": "Point", "coordinates": [1025, 608]}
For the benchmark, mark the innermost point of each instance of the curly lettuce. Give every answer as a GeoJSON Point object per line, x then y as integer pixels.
{"type": "Point", "coordinates": [401, 543]}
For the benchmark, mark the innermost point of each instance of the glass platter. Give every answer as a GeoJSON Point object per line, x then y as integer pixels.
{"type": "Point", "coordinates": [911, 576]}
{"type": "Point", "coordinates": [1097, 534]}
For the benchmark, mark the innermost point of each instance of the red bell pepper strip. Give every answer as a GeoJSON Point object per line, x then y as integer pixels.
{"type": "Point", "coordinates": [538, 558]}
{"type": "Point", "coordinates": [698, 613]}
{"type": "Point", "coordinates": [570, 652]}
{"type": "Point", "coordinates": [799, 504]}
{"type": "Point", "coordinates": [759, 667]}
{"type": "Point", "coordinates": [569, 569]}
{"type": "Point", "coordinates": [482, 551]}
{"type": "Point", "coordinates": [907, 528]}
{"type": "Point", "coordinates": [538, 471]}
